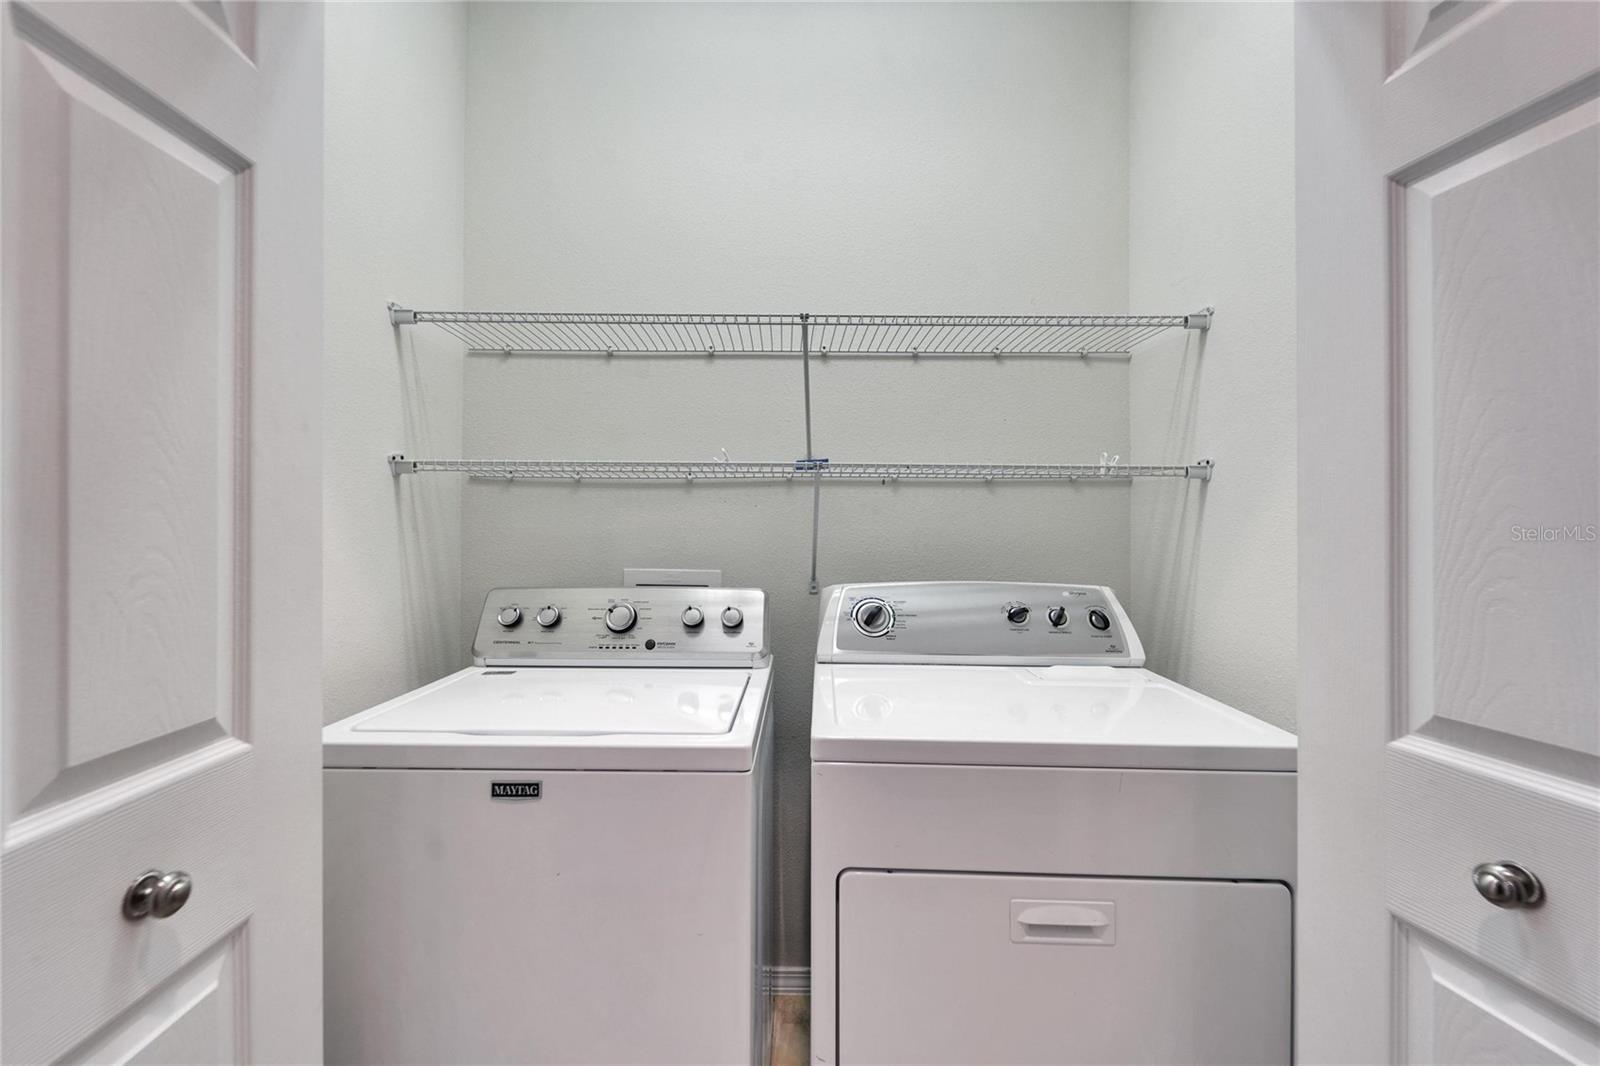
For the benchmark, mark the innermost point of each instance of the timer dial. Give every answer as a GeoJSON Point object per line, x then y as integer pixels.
{"type": "Point", "coordinates": [732, 618]}
{"type": "Point", "coordinates": [693, 618]}
{"type": "Point", "coordinates": [509, 616]}
{"type": "Point", "coordinates": [873, 617]}
{"type": "Point", "coordinates": [620, 617]}
{"type": "Point", "coordinates": [1098, 619]}
{"type": "Point", "coordinates": [548, 617]}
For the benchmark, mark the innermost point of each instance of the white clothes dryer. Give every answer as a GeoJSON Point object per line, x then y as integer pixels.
{"type": "Point", "coordinates": [1027, 848]}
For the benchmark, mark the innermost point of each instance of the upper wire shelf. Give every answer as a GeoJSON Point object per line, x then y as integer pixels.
{"type": "Point", "coordinates": [554, 333]}
{"type": "Point", "coordinates": [729, 470]}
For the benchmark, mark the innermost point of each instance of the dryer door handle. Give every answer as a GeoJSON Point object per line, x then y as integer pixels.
{"type": "Point", "coordinates": [1038, 921]}
{"type": "Point", "coordinates": [1067, 915]}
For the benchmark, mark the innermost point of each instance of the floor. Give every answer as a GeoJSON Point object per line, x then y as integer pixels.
{"type": "Point", "coordinates": [791, 1030]}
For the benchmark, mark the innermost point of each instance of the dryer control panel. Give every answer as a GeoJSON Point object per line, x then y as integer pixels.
{"type": "Point", "coordinates": [978, 622]}
{"type": "Point", "coordinates": [625, 626]}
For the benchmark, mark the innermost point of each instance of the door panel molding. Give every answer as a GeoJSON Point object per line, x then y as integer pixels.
{"type": "Point", "coordinates": [151, 55]}
{"type": "Point", "coordinates": [1494, 64]}
{"type": "Point", "coordinates": [136, 641]}
{"type": "Point", "coordinates": [77, 964]}
{"type": "Point", "coordinates": [1533, 377]}
{"type": "Point", "coordinates": [1456, 1010]}
{"type": "Point", "coordinates": [199, 1015]}
{"type": "Point", "coordinates": [1449, 810]}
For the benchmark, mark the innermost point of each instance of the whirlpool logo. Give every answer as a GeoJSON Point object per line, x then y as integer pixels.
{"type": "Point", "coordinates": [514, 790]}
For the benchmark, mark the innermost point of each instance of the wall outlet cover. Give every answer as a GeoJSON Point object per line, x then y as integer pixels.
{"type": "Point", "coordinates": [639, 577]}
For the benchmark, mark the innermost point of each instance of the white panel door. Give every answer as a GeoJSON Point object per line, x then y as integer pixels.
{"type": "Point", "coordinates": [1449, 182]}
{"type": "Point", "coordinates": [159, 595]}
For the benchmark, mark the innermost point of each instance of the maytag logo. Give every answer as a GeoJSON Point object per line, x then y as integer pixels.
{"type": "Point", "coordinates": [514, 790]}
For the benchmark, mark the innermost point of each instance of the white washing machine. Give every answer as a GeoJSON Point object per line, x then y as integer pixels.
{"type": "Point", "coordinates": [559, 854]}
{"type": "Point", "coordinates": [1026, 848]}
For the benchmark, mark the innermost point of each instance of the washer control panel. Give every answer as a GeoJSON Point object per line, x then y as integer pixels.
{"type": "Point", "coordinates": [627, 626]}
{"type": "Point", "coordinates": [977, 622]}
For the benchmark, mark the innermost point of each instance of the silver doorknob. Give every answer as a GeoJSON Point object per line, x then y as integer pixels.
{"type": "Point", "coordinates": [1505, 884]}
{"type": "Point", "coordinates": [157, 895]}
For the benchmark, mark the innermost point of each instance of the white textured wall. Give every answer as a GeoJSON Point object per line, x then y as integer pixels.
{"type": "Point", "coordinates": [392, 557]}
{"type": "Point", "coordinates": [1211, 209]}
{"type": "Point", "coordinates": [826, 158]}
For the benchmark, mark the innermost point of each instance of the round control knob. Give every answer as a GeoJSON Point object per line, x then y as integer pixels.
{"type": "Point", "coordinates": [620, 617]}
{"type": "Point", "coordinates": [548, 616]}
{"type": "Point", "coordinates": [1098, 619]}
{"type": "Point", "coordinates": [693, 618]}
{"type": "Point", "coordinates": [509, 616]}
{"type": "Point", "coordinates": [873, 618]}
{"type": "Point", "coordinates": [732, 618]}
{"type": "Point", "coordinates": [1057, 616]}
{"type": "Point", "coordinates": [1016, 613]}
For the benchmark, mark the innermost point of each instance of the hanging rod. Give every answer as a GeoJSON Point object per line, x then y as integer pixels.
{"type": "Point", "coordinates": [552, 333]}
{"type": "Point", "coordinates": [596, 470]}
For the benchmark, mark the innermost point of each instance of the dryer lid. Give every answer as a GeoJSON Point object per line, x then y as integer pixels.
{"type": "Point", "coordinates": [1090, 716]}
{"type": "Point", "coordinates": [555, 701]}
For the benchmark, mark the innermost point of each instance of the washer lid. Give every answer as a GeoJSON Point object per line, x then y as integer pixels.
{"type": "Point", "coordinates": [1094, 716]}
{"type": "Point", "coordinates": [562, 718]}
{"type": "Point", "coordinates": [553, 701]}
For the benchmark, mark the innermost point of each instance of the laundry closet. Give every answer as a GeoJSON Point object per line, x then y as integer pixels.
{"type": "Point", "coordinates": [748, 179]}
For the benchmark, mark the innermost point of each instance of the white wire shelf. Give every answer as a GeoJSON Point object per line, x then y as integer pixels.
{"type": "Point", "coordinates": [713, 470]}
{"type": "Point", "coordinates": [805, 337]}
{"type": "Point", "coordinates": [551, 333]}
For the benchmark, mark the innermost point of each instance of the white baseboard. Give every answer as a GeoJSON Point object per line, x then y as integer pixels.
{"type": "Point", "coordinates": [788, 980]}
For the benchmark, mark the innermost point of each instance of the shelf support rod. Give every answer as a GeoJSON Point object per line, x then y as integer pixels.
{"type": "Point", "coordinates": [805, 373]}
{"type": "Point", "coordinates": [816, 473]}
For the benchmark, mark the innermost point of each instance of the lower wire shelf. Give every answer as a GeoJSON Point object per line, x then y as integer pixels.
{"type": "Point", "coordinates": [714, 470]}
